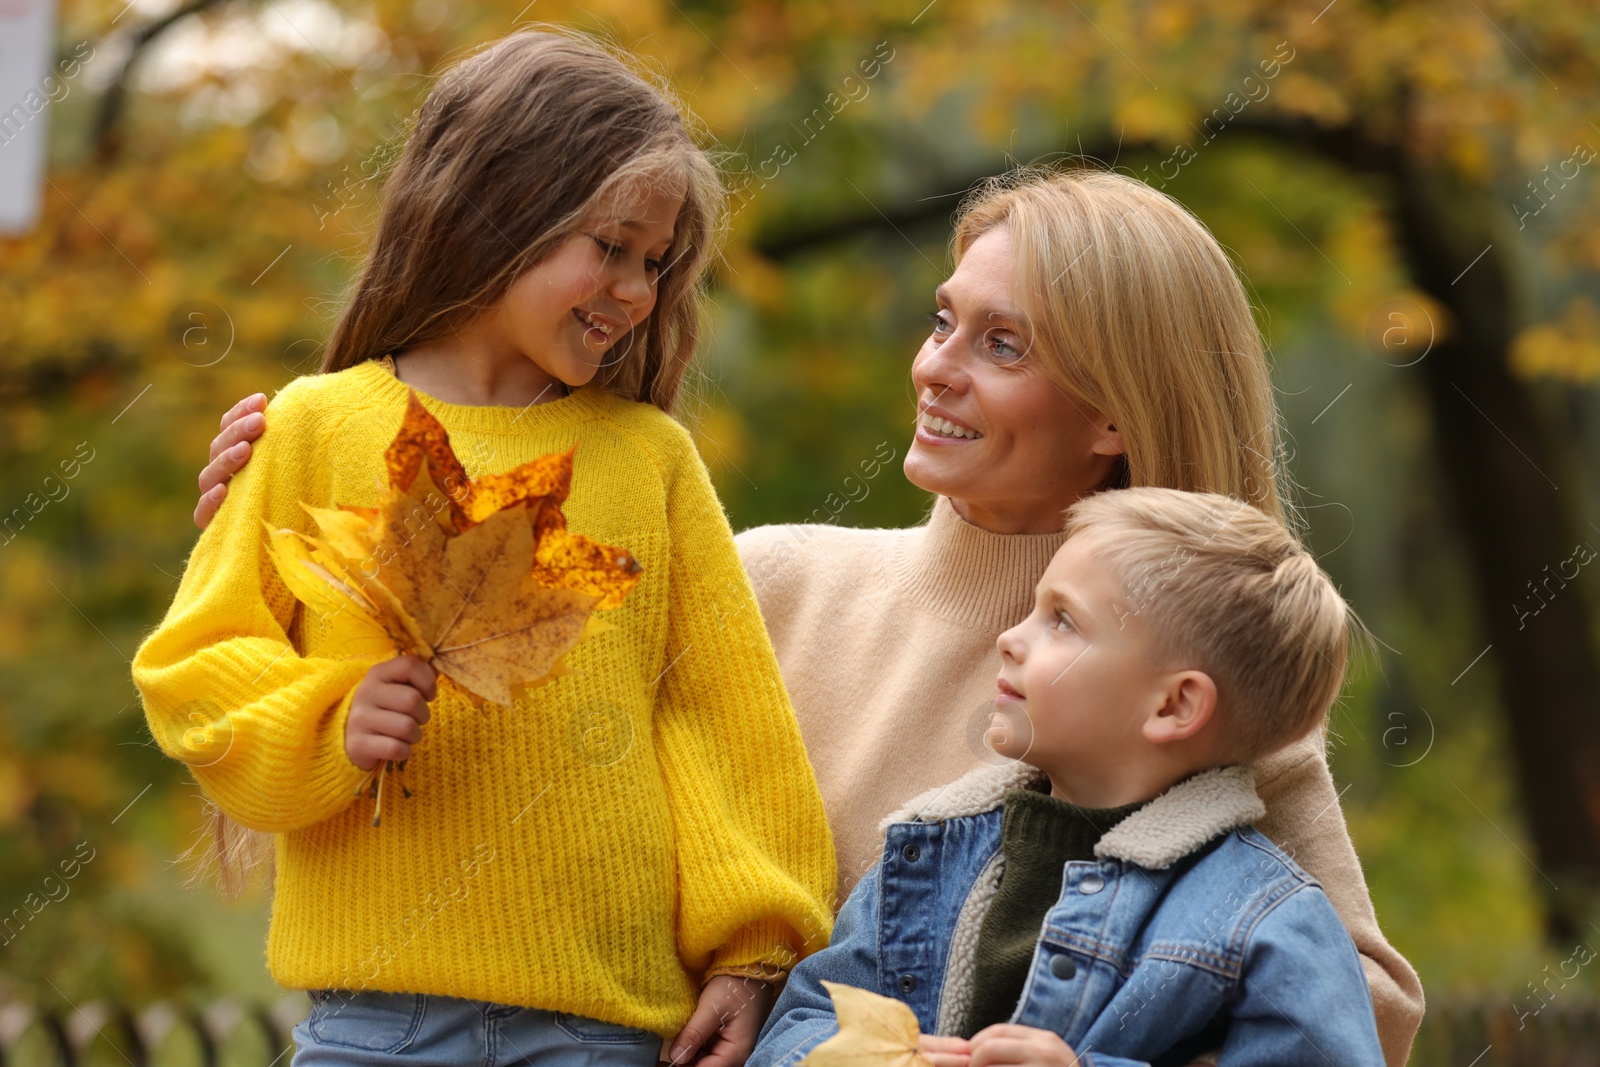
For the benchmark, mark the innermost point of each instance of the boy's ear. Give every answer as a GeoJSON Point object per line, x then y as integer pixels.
{"type": "Point", "coordinates": [1191, 701]}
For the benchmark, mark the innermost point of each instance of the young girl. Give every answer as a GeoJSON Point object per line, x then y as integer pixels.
{"type": "Point", "coordinates": [630, 849]}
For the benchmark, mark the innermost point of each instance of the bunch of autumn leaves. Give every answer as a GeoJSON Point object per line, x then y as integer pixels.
{"type": "Point", "coordinates": [479, 577]}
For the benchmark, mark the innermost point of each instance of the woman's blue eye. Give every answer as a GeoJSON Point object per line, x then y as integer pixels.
{"type": "Point", "coordinates": [938, 320]}
{"type": "Point", "coordinates": [1005, 349]}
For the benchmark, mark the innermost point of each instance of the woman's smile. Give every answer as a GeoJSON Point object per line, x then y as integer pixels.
{"type": "Point", "coordinates": [937, 426]}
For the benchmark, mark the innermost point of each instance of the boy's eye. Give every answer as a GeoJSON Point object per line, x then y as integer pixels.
{"type": "Point", "coordinates": [1062, 622]}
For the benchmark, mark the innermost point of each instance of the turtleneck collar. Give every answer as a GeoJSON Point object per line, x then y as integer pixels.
{"type": "Point", "coordinates": [968, 575]}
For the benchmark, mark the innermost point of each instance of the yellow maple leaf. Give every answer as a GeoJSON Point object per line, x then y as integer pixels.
{"type": "Point", "coordinates": [874, 1031]}
{"type": "Point", "coordinates": [481, 578]}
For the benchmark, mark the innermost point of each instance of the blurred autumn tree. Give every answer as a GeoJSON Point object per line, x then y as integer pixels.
{"type": "Point", "coordinates": [1369, 164]}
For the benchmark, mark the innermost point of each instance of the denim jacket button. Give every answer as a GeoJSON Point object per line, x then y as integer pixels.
{"type": "Point", "coordinates": [1091, 883]}
{"type": "Point", "coordinates": [908, 982]}
{"type": "Point", "coordinates": [1063, 967]}
{"type": "Point", "coordinates": [912, 853]}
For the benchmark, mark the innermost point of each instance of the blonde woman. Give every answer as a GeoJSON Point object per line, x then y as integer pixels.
{"type": "Point", "coordinates": [1093, 335]}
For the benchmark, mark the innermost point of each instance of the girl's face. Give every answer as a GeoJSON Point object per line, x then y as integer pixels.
{"type": "Point", "coordinates": [1009, 448]}
{"type": "Point", "coordinates": [572, 312]}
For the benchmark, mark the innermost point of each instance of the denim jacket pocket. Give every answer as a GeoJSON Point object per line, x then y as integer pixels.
{"type": "Point", "coordinates": [371, 1021]}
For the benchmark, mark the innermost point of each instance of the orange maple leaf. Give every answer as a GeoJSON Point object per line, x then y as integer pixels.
{"type": "Point", "coordinates": [479, 577]}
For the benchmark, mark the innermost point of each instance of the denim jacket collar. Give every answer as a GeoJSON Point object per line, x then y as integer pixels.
{"type": "Point", "coordinates": [1174, 824]}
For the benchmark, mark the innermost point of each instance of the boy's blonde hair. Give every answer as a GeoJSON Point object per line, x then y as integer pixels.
{"type": "Point", "coordinates": [1136, 310]}
{"type": "Point", "coordinates": [1226, 589]}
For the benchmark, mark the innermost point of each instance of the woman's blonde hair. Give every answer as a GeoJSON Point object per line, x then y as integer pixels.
{"type": "Point", "coordinates": [1136, 310]}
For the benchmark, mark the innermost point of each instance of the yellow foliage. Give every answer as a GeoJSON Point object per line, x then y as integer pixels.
{"type": "Point", "coordinates": [1568, 348]}
{"type": "Point", "coordinates": [1152, 116]}
{"type": "Point", "coordinates": [1300, 93]}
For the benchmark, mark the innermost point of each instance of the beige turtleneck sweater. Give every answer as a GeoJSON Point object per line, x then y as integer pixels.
{"type": "Point", "coordinates": [886, 641]}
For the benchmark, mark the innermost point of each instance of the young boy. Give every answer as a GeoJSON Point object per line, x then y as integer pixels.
{"type": "Point", "coordinates": [1101, 898]}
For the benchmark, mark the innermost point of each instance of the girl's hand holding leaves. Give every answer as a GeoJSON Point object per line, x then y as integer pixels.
{"type": "Point", "coordinates": [478, 578]}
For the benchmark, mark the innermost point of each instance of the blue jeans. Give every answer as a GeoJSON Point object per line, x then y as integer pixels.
{"type": "Point", "coordinates": [414, 1029]}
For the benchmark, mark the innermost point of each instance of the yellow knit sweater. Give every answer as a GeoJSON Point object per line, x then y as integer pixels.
{"type": "Point", "coordinates": [597, 849]}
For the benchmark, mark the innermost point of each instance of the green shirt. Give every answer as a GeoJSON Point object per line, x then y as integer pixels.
{"type": "Point", "coordinates": [1039, 835]}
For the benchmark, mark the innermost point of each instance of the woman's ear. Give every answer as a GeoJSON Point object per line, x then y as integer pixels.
{"type": "Point", "coordinates": [1108, 439]}
{"type": "Point", "coordinates": [1191, 701]}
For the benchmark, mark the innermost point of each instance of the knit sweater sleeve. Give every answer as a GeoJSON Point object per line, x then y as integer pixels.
{"type": "Point", "coordinates": [756, 857]}
{"type": "Point", "coordinates": [1305, 820]}
{"type": "Point", "coordinates": [226, 690]}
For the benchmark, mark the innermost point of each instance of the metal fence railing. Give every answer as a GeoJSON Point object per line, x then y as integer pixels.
{"type": "Point", "coordinates": [229, 1033]}
{"type": "Point", "coordinates": [222, 1033]}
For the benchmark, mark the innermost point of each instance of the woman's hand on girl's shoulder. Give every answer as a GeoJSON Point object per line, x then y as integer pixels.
{"type": "Point", "coordinates": [230, 451]}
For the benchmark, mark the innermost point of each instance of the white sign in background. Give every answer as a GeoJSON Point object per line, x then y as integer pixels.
{"type": "Point", "coordinates": [27, 52]}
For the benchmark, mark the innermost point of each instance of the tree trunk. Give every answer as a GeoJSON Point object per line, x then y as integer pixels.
{"type": "Point", "coordinates": [1502, 472]}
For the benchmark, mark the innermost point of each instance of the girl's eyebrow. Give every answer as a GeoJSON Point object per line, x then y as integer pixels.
{"type": "Point", "coordinates": [636, 225]}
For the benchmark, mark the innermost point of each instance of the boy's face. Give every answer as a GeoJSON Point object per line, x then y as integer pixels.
{"type": "Point", "coordinates": [1078, 677]}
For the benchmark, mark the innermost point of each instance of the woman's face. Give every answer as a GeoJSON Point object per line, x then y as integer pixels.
{"type": "Point", "coordinates": [1009, 448]}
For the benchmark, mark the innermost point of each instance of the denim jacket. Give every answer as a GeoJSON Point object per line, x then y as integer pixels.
{"type": "Point", "coordinates": [1190, 932]}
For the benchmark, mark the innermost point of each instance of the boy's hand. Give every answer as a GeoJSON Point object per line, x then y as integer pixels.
{"type": "Point", "coordinates": [725, 1022]}
{"type": "Point", "coordinates": [388, 711]}
{"type": "Point", "coordinates": [1001, 1044]}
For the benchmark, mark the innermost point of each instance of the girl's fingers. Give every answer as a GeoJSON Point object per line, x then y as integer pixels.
{"type": "Point", "coordinates": [409, 670]}
{"type": "Point", "coordinates": [393, 724]}
{"type": "Point", "coordinates": [210, 501]}
{"type": "Point", "coordinates": [404, 701]}
{"type": "Point", "coordinates": [701, 1025]}
{"type": "Point", "coordinates": [253, 402]}
{"type": "Point", "coordinates": [368, 750]}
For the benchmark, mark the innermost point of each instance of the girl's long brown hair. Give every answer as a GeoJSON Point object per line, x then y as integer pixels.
{"type": "Point", "coordinates": [512, 149]}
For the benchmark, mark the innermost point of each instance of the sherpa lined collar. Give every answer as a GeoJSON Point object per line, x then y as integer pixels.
{"type": "Point", "coordinates": [1171, 826]}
